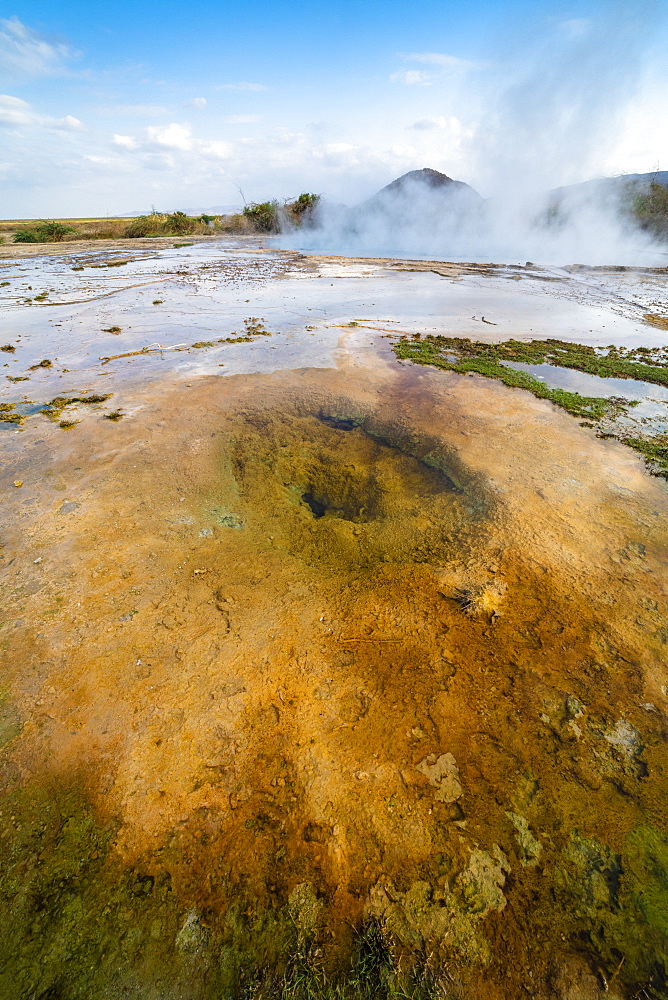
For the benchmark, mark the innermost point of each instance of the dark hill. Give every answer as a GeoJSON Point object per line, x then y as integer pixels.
{"type": "Point", "coordinates": [422, 183]}
{"type": "Point", "coordinates": [422, 203]}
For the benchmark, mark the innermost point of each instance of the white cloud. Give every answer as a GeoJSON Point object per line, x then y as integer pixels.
{"type": "Point", "coordinates": [452, 63]}
{"type": "Point", "coordinates": [217, 149]}
{"type": "Point", "coordinates": [69, 124]}
{"type": "Point", "coordinates": [159, 161]}
{"type": "Point", "coordinates": [14, 111]}
{"type": "Point", "coordinates": [173, 136]}
{"type": "Point", "coordinates": [198, 102]}
{"type": "Point", "coordinates": [426, 124]}
{"type": "Point", "coordinates": [240, 119]}
{"type": "Point", "coordinates": [243, 85]}
{"type": "Point", "coordinates": [125, 141]}
{"type": "Point", "coordinates": [443, 66]}
{"type": "Point", "coordinates": [414, 77]}
{"type": "Point", "coordinates": [26, 53]}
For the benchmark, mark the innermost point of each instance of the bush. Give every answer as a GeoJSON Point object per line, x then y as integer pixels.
{"type": "Point", "coordinates": [264, 217]}
{"type": "Point", "coordinates": [174, 224]}
{"type": "Point", "coordinates": [144, 225]}
{"type": "Point", "coordinates": [53, 232]}
{"type": "Point", "coordinates": [650, 208]}
{"type": "Point", "coordinates": [26, 236]}
{"type": "Point", "coordinates": [179, 224]}
{"type": "Point", "coordinates": [44, 232]}
{"type": "Point", "coordinates": [303, 208]}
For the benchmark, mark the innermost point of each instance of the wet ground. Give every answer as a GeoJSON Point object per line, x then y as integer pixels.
{"type": "Point", "coordinates": [318, 639]}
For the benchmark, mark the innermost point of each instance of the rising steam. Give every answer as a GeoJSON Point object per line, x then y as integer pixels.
{"type": "Point", "coordinates": [555, 122]}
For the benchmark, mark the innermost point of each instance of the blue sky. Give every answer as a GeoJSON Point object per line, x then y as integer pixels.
{"type": "Point", "coordinates": [113, 107]}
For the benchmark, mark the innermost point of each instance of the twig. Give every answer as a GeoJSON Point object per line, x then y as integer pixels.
{"type": "Point", "coordinates": [616, 972]}
{"type": "Point", "coordinates": [151, 349]}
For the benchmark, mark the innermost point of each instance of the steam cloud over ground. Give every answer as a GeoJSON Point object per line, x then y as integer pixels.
{"type": "Point", "coordinates": [423, 214]}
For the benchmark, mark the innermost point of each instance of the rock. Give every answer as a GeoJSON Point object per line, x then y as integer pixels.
{"type": "Point", "coordinates": [192, 938]}
{"type": "Point", "coordinates": [443, 774]}
{"type": "Point", "coordinates": [68, 506]}
{"type": "Point", "coordinates": [529, 846]}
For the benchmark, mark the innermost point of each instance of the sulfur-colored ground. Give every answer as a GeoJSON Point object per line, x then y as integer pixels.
{"type": "Point", "coordinates": [287, 653]}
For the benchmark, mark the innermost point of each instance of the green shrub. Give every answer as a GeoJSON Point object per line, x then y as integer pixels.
{"type": "Point", "coordinates": [650, 208]}
{"type": "Point", "coordinates": [26, 236]}
{"type": "Point", "coordinates": [144, 225]}
{"type": "Point", "coordinates": [264, 217]}
{"type": "Point", "coordinates": [303, 207]}
{"type": "Point", "coordinates": [174, 224]}
{"type": "Point", "coordinates": [43, 232]}
{"type": "Point", "coordinates": [53, 232]}
{"type": "Point", "coordinates": [179, 224]}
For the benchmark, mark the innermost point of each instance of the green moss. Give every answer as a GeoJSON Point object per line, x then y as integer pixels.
{"type": "Point", "coordinates": [253, 327]}
{"type": "Point", "coordinates": [618, 905]}
{"type": "Point", "coordinates": [73, 919]}
{"type": "Point", "coordinates": [425, 352]}
{"type": "Point", "coordinates": [8, 416]}
{"type": "Point", "coordinates": [10, 723]}
{"type": "Point", "coordinates": [465, 356]}
{"type": "Point", "coordinates": [655, 450]}
{"type": "Point", "coordinates": [54, 409]}
{"type": "Point", "coordinates": [78, 923]}
{"type": "Point", "coordinates": [645, 364]}
{"type": "Point", "coordinates": [647, 859]}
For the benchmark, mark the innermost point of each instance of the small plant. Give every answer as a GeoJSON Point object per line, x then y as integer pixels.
{"type": "Point", "coordinates": [8, 348]}
{"type": "Point", "coordinates": [114, 415]}
{"type": "Point", "coordinates": [113, 329]}
{"type": "Point", "coordinates": [157, 302]}
{"type": "Point", "coordinates": [45, 363]}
